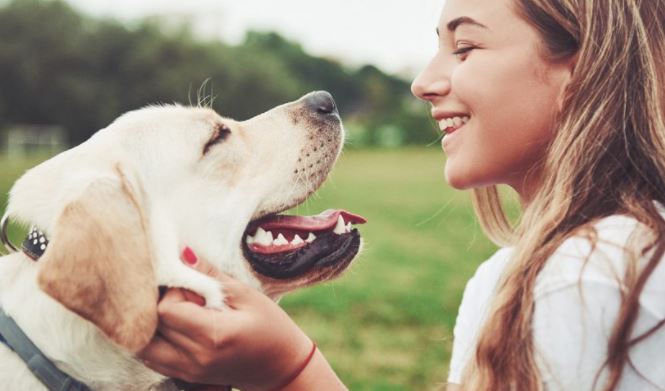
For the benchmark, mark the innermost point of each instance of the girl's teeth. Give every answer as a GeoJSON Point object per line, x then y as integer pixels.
{"type": "Point", "coordinates": [454, 122]}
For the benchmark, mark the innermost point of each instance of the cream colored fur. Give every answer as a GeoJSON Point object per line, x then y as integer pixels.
{"type": "Point", "coordinates": [118, 210]}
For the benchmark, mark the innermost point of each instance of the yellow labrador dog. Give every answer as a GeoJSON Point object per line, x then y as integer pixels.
{"type": "Point", "coordinates": [113, 214]}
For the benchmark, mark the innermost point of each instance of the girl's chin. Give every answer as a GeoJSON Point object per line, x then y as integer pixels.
{"type": "Point", "coordinates": [453, 177]}
{"type": "Point", "coordinates": [464, 180]}
{"type": "Point", "coordinates": [459, 183]}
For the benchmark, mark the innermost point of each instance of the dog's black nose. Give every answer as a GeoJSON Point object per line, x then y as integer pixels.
{"type": "Point", "coordinates": [321, 102]}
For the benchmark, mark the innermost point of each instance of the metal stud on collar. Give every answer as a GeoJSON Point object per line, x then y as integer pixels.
{"type": "Point", "coordinates": [3, 234]}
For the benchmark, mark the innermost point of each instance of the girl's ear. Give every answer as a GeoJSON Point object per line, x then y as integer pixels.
{"type": "Point", "coordinates": [99, 265]}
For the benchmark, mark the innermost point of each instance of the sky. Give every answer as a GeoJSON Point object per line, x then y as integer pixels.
{"type": "Point", "coordinates": [397, 36]}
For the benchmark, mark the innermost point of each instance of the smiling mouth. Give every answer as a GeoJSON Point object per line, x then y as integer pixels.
{"type": "Point", "coordinates": [451, 124]}
{"type": "Point", "coordinates": [284, 246]}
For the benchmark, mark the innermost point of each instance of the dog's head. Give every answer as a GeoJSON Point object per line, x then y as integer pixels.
{"type": "Point", "coordinates": [119, 207]}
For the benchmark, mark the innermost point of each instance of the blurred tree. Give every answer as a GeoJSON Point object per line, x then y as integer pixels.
{"type": "Point", "coordinates": [57, 66]}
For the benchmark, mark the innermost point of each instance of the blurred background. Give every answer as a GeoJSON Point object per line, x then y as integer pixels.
{"type": "Point", "coordinates": [68, 68]}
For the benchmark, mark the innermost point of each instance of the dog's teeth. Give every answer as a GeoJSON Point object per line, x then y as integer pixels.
{"type": "Point", "coordinates": [249, 239]}
{"type": "Point", "coordinates": [348, 227]}
{"type": "Point", "coordinates": [340, 228]}
{"type": "Point", "coordinates": [280, 241]}
{"type": "Point", "coordinates": [310, 238]}
{"type": "Point", "coordinates": [262, 237]}
{"type": "Point", "coordinates": [297, 240]}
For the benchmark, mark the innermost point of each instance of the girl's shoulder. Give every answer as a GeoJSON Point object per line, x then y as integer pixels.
{"type": "Point", "coordinates": [601, 255]}
{"type": "Point", "coordinates": [489, 271]}
{"type": "Point", "coordinates": [578, 296]}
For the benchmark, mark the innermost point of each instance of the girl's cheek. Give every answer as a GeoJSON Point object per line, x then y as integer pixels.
{"type": "Point", "coordinates": [456, 77]}
{"type": "Point", "coordinates": [465, 85]}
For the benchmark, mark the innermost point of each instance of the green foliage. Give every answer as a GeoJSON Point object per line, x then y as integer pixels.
{"type": "Point", "coordinates": [59, 67]}
{"type": "Point", "coordinates": [387, 323]}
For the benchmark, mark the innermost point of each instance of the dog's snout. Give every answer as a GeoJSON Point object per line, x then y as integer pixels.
{"type": "Point", "coordinates": [321, 102]}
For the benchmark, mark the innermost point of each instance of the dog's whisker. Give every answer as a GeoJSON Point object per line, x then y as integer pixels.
{"type": "Point", "coordinates": [202, 96]}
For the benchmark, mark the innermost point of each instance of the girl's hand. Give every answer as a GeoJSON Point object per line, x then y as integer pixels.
{"type": "Point", "coordinates": [252, 345]}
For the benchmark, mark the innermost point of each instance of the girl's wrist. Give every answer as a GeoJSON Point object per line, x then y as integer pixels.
{"type": "Point", "coordinates": [298, 370]}
{"type": "Point", "coordinates": [316, 375]}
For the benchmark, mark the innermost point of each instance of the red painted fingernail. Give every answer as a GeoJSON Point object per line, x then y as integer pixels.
{"type": "Point", "coordinates": [189, 256]}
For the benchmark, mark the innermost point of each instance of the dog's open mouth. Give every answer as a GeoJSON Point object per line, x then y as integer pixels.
{"type": "Point", "coordinates": [283, 246]}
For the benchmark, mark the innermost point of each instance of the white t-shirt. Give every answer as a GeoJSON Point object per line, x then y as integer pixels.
{"type": "Point", "coordinates": [577, 297]}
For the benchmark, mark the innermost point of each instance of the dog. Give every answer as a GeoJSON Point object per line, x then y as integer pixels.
{"type": "Point", "coordinates": [113, 214]}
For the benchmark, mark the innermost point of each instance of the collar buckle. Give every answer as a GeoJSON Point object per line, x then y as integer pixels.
{"type": "Point", "coordinates": [9, 246]}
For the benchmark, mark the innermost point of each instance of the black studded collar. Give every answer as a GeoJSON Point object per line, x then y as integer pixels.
{"type": "Point", "coordinates": [35, 244]}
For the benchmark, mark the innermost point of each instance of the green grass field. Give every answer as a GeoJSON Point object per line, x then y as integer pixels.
{"type": "Point", "coordinates": [387, 323]}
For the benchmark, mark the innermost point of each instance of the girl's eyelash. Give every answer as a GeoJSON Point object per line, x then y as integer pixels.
{"type": "Point", "coordinates": [463, 50]}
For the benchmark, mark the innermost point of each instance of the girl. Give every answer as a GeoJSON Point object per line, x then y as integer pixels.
{"type": "Point", "coordinates": [564, 101]}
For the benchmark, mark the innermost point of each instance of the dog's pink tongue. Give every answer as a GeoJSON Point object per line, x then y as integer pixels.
{"type": "Point", "coordinates": [323, 221]}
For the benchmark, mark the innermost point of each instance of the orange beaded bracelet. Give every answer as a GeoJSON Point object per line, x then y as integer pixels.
{"type": "Point", "coordinates": [298, 370]}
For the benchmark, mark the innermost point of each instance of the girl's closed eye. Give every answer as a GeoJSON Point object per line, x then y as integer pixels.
{"type": "Point", "coordinates": [463, 50]}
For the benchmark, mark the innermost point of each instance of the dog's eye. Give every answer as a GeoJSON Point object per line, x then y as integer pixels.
{"type": "Point", "coordinates": [221, 133]}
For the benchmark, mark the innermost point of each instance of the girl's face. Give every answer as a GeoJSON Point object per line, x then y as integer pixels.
{"type": "Point", "coordinates": [493, 94]}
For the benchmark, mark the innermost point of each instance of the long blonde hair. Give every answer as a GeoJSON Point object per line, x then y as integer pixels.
{"type": "Point", "coordinates": [607, 157]}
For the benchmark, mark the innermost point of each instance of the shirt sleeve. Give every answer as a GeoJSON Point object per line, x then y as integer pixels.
{"type": "Point", "coordinates": [577, 300]}
{"type": "Point", "coordinates": [472, 312]}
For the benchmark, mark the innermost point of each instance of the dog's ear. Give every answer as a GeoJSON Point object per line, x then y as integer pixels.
{"type": "Point", "coordinates": [98, 262]}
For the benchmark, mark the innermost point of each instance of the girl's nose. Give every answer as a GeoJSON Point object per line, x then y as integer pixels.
{"type": "Point", "coordinates": [433, 82]}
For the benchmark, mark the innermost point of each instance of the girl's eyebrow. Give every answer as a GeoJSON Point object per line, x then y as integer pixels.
{"type": "Point", "coordinates": [453, 24]}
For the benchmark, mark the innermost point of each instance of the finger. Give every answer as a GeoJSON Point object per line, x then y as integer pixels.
{"type": "Point", "coordinates": [180, 341]}
{"type": "Point", "coordinates": [177, 295]}
{"type": "Point", "coordinates": [193, 297]}
{"type": "Point", "coordinates": [173, 373]}
{"type": "Point", "coordinates": [173, 295]}
{"type": "Point", "coordinates": [234, 290]}
{"type": "Point", "coordinates": [199, 324]}
{"type": "Point", "coordinates": [164, 358]}
{"type": "Point", "coordinates": [191, 259]}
